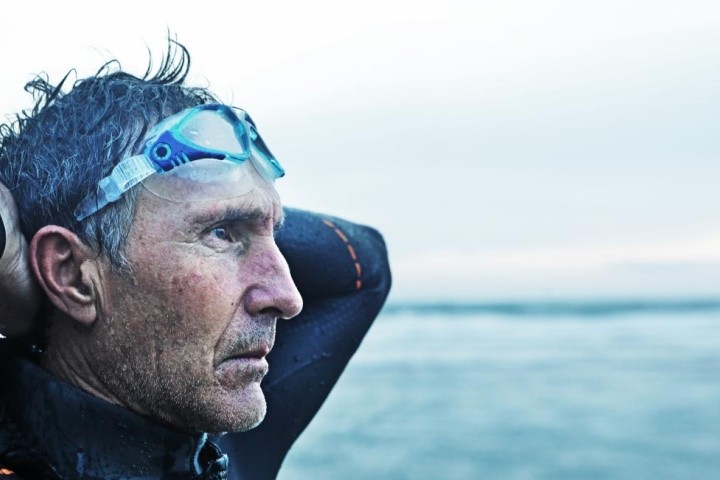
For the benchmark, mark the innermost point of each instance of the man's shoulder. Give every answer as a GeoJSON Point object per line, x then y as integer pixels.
{"type": "Point", "coordinates": [18, 458]}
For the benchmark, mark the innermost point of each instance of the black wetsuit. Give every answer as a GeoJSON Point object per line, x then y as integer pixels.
{"type": "Point", "coordinates": [342, 272]}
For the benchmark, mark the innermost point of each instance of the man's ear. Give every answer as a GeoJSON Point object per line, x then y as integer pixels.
{"type": "Point", "coordinates": [67, 270]}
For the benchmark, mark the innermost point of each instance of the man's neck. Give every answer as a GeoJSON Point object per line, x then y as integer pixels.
{"type": "Point", "coordinates": [65, 358]}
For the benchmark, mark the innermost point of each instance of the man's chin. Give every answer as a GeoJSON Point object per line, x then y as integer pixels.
{"type": "Point", "coordinates": [239, 411]}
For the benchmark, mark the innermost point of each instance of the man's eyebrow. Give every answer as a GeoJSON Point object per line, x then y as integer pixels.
{"type": "Point", "coordinates": [238, 214]}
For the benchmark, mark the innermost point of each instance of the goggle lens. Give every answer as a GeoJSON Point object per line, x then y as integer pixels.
{"type": "Point", "coordinates": [209, 130]}
{"type": "Point", "coordinates": [204, 179]}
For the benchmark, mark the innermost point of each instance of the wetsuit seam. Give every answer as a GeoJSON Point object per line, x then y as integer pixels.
{"type": "Point", "coordinates": [351, 251]}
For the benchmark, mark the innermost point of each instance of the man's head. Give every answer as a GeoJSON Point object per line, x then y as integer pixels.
{"type": "Point", "coordinates": [163, 304]}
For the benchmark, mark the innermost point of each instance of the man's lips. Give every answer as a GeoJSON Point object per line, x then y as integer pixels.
{"type": "Point", "coordinates": [257, 352]}
{"type": "Point", "coordinates": [243, 367]}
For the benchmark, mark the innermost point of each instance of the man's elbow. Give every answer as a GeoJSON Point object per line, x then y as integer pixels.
{"type": "Point", "coordinates": [377, 275]}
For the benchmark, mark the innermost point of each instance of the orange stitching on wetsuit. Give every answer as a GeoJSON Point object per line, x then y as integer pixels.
{"type": "Point", "coordinates": [351, 251]}
{"type": "Point", "coordinates": [341, 235]}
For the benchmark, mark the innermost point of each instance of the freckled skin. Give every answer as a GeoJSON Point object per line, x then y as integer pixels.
{"type": "Point", "coordinates": [166, 333]}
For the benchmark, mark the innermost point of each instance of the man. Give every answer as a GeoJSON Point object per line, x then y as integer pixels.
{"type": "Point", "coordinates": [152, 220]}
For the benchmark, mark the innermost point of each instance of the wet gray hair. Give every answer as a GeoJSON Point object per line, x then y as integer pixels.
{"type": "Point", "coordinates": [54, 155]}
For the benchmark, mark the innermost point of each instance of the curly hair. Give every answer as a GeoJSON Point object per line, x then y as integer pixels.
{"type": "Point", "coordinates": [53, 155]}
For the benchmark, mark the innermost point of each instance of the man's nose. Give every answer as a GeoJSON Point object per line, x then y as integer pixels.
{"type": "Point", "coordinates": [274, 291]}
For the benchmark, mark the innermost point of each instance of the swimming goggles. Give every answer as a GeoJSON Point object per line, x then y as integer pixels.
{"type": "Point", "coordinates": [210, 144]}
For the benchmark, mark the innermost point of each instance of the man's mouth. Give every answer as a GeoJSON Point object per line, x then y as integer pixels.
{"type": "Point", "coordinates": [258, 352]}
{"type": "Point", "coordinates": [243, 368]}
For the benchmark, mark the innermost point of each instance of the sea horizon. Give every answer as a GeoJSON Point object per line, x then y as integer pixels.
{"type": "Point", "coordinates": [559, 307]}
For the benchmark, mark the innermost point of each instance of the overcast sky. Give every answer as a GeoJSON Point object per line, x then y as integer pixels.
{"type": "Point", "coordinates": [508, 150]}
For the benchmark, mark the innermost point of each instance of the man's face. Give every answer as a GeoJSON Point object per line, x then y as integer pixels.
{"type": "Point", "coordinates": [184, 336]}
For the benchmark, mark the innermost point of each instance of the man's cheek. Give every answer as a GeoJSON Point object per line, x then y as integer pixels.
{"type": "Point", "coordinates": [186, 291]}
{"type": "Point", "coordinates": [203, 292]}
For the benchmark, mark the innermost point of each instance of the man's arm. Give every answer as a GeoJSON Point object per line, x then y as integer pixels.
{"type": "Point", "coordinates": [342, 272]}
{"type": "Point", "coordinates": [19, 297]}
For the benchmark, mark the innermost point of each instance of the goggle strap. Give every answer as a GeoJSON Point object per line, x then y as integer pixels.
{"type": "Point", "coordinates": [130, 172]}
{"type": "Point", "coordinates": [123, 177]}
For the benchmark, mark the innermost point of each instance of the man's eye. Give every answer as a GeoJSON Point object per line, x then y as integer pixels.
{"type": "Point", "coordinates": [220, 233]}
{"type": "Point", "coordinates": [225, 236]}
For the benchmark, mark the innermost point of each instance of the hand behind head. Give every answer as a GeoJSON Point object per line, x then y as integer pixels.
{"type": "Point", "coordinates": [19, 296]}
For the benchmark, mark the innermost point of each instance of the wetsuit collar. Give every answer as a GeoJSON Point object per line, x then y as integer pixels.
{"type": "Point", "coordinates": [80, 436]}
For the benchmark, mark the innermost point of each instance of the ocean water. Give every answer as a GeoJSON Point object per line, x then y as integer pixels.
{"type": "Point", "coordinates": [624, 394]}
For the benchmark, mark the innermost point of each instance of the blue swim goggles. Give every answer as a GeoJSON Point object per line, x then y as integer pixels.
{"type": "Point", "coordinates": [203, 144]}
